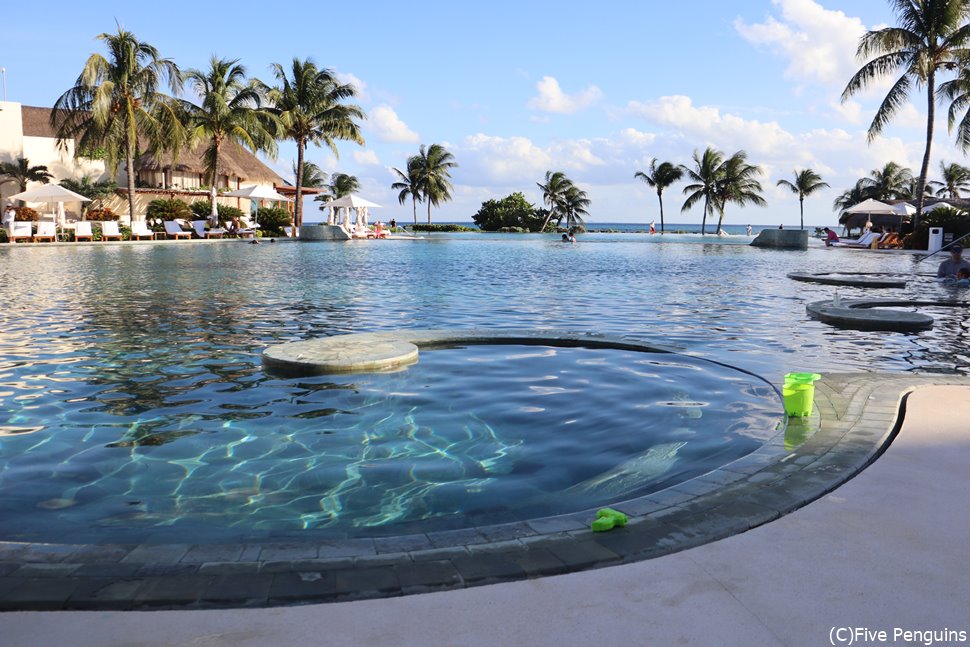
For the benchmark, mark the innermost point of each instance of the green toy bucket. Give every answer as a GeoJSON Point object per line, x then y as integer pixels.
{"type": "Point", "coordinates": [799, 393]}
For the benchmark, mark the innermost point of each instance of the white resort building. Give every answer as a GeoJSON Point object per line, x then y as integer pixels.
{"type": "Point", "coordinates": [25, 132]}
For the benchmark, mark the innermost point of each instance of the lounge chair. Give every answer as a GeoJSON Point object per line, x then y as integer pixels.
{"type": "Point", "coordinates": [82, 230]}
{"type": "Point", "coordinates": [174, 230]}
{"type": "Point", "coordinates": [891, 241]}
{"type": "Point", "coordinates": [247, 231]}
{"type": "Point", "coordinates": [110, 231]}
{"type": "Point", "coordinates": [863, 241]}
{"type": "Point", "coordinates": [20, 230]}
{"type": "Point", "coordinates": [45, 231]}
{"type": "Point", "coordinates": [198, 226]}
{"type": "Point", "coordinates": [140, 230]}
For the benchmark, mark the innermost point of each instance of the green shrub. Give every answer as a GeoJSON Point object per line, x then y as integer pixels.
{"type": "Point", "coordinates": [272, 220]}
{"type": "Point", "coordinates": [3, 235]}
{"type": "Point", "coordinates": [169, 210]}
{"type": "Point", "coordinates": [203, 209]}
{"type": "Point", "coordinates": [511, 214]}
{"type": "Point", "coordinates": [101, 214]}
{"type": "Point", "coordinates": [953, 222]}
{"type": "Point", "coordinates": [436, 227]}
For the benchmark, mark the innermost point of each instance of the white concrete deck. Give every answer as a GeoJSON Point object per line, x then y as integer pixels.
{"type": "Point", "coordinates": [886, 550]}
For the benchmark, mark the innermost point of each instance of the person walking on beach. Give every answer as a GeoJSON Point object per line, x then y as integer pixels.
{"type": "Point", "coordinates": [951, 267]}
{"type": "Point", "coordinates": [653, 228]}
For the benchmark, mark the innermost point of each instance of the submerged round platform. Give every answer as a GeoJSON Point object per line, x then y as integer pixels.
{"type": "Point", "coordinates": [857, 280]}
{"type": "Point", "coordinates": [874, 314]}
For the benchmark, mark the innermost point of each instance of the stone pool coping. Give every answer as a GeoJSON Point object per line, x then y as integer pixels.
{"type": "Point", "coordinates": [867, 314]}
{"type": "Point", "coordinates": [857, 280]}
{"type": "Point", "coordinates": [856, 416]}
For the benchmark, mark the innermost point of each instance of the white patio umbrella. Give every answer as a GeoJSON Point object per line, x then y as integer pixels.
{"type": "Point", "coordinates": [51, 194]}
{"type": "Point", "coordinates": [256, 193]}
{"type": "Point", "coordinates": [871, 206]}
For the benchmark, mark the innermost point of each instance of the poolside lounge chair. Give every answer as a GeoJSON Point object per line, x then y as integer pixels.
{"type": "Point", "coordinates": [891, 241]}
{"type": "Point", "coordinates": [20, 230]}
{"type": "Point", "coordinates": [174, 230]}
{"type": "Point", "coordinates": [82, 230]}
{"type": "Point", "coordinates": [198, 226]}
{"type": "Point", "coordinates": [863, 241]}
{"type": "Point", "coordinates": [247, 230]}
{"type": "Point", "coordinates": [110, 231]}
{"type": "Point", "coordinates": [140, 230]}
{"type": "Point", "coordinates": [45, 231]}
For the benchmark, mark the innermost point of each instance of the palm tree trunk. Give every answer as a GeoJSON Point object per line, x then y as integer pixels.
{"type": "Point", "coordinates": [429, 211]}
{"type": "Point", "coordinates": [930, 116]}
{"type": "Point", "coordinates": [719, 221]}
{"type": "Point", "coordinates": [546, 221]}
{"type": "Point", "coordinates": [707, 206]}
{"type": "Point", "coordinates": [660, 197]}
{"type": "Point", "coordinates": [801, 210]}
{"type": "Point", "coordinates": [298, 205]}
{"type": "Point", "coordinates": [414, 208]}
{"type": "Point", "coordinates": [130, 170]}
{"type": "Point", "coordinates": [214, 211]}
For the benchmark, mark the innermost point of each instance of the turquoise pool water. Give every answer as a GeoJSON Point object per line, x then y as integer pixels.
{"type": "Point", "coordinates": [150, 354]}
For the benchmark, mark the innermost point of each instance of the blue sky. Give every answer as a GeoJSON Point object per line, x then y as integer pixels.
{"type": "Point", "coordinates": [516, 88]}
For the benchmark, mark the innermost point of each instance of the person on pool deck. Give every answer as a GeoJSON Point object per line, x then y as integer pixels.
{"type": "Point", "coordinates": [830, 237]}
{"type": "Point", "coordinates": [951, 266]}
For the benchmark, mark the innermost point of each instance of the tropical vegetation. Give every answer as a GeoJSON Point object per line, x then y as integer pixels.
{"type": "Point", "coordinates": [168, 209]}
{"type": "Point", "coordinates": [230, 113]}
{"type": "Point", "coordinates": [955, 178]}
{"type": "Point", "coordinates": [565, 201]}
{"type": "Point", "coordinates": [429, 176]}
{"type": "Point", "coordinates": [20, 172]}
{"type": "Point", "coordinates": [311, 105]}
{"type": "Point", "coordinates": [930, 37]}
{"type": "Point", "coordinates": [272, 220]}
{"type": "Point", "coordinates": [806, 183]}
{"type": "Point", "coordinates": [118, 99]}
{"type": "Point", "coordinates": [95, 190]}
{"type": "Point", "coordinates": [660, 177]}
{"type": "Point", "coordinates": [511, 213]}
{"type": "Point", "coordinates": [407, 185]}
{"type": "Point", "coordinates": [720, 181]}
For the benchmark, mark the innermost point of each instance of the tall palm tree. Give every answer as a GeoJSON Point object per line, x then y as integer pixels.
{"type": "Point", "coordinates": [230, 113]}
{"type": "Point", "coordinates": [20, 172]}
{"type": "Point", "coordinates": [575, 202]}
{"type": "Point", "coordinates": [660, 177]}
{"type": "Point", "coordinates": [891, 182]}
{"type": "Point", "coordinates": [408, 186]}
{"type": "Point", "coordinates": [310, 103]}
{"type": "Point", "coordinates": [342, 184]}
{"type": "Point", "coordinates": [931, 36]}
{"type": "Point", "coordinates": [806, 183]}
{"type": "Point", "coordinates": [118, 98]}
{"type": "Point", "coordinates": [851, 197]}
{"type": "Point", "coordinates": [736, 183]}
{"type": "Point", "coordinates": [433, 172]}
{"type": "Point", "coordinates": [554, 194]}
{"type": "Point", "coordinates": [704, 182]}
{"type": "Point", "coordinates": [956, 178]}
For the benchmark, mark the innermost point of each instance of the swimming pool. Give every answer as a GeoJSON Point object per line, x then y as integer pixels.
{"type": "Point", "coordinates": [161, 343]}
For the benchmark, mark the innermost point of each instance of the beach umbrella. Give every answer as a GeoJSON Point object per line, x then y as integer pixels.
{"type": "Point", "coordinates": [256, 193]}
{"type": "Point", "coordinates": [353, 202]}
{"type": "Point", "coordinates": [51, 194]}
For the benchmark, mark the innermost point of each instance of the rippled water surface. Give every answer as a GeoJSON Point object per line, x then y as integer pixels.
{"type": "Point", "coordinates": [150, 354]}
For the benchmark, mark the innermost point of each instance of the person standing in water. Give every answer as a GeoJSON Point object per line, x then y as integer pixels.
{"type": "Point", "coordinates": [749, 230]}
{"type": "Point", "coordinates": [653, 228]}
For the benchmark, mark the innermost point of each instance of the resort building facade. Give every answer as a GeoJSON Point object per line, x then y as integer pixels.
{"type": "Point", "coordinates": [25, 132]}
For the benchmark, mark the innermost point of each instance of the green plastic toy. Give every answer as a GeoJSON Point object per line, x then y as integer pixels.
{"type": "Point", "coordinates": [608, 519]}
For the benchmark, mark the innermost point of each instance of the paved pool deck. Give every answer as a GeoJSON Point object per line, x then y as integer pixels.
{"type": "Point", "coordinates": [885, 551]}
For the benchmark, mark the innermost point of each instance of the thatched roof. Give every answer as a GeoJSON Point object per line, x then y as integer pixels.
{"type": "Point", "coordinates": [234, 159]}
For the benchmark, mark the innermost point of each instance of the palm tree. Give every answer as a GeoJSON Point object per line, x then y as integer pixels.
{"type": "Point", "coordinates": [310, 105]}
{"type": "Point", "coordinates": [407, 185]}
{"type": "Point", "coordinates": [660, 177]}
{"type": "Point", "coordinates": [554, 194]}
{"type": "Point", "coordinates": [575, 201]}
{"type": "Point", "coordinates": [342, 184]}
{"type": "Point", "coordinates": [117, 99]}
{"type": "Point", "coordinates": [931, 36]}
{"type": "Point", "coordinates": [312, 176]}
{"type": "Point", "coordinates": [20, 172]}
{"type": "Point", "coordinates": [230, 113]}
{"type": "Point", "coordinates": [956, 178]}
{"type": "Point", "coordinates": [891, 182]}
{"type": "Point", "coordinates": [90, 188]}
{"type": "Point", "coordinates": [851, 197]}
{"type": "Point", "coordinates": [704, 178]}
{"type": "Point", "coordinates": [806, 183]}
{"type": "Point", "coordinates": [432, 170]}
{"type": "Point", "coordinates": [736, 183]}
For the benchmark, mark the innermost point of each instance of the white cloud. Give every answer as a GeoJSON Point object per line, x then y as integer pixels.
{"type": "Point", "coordinates": [389, 127]}
{"type": "Point", "coordinates": [638, 138]}
{"type": "Point", "coordinates": [366, 158]}
{"type": "Point", "coordinates": [708, 124]}
{"type": "Point", "coordinates": [819, 43]}
{"type": "Point", "coordinates": [551, 98]}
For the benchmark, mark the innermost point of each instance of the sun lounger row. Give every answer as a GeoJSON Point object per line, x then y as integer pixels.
{"type": "Point", "coordinates": [873, 239]}
{"type": "Point", "coordinates": [46, 231]}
